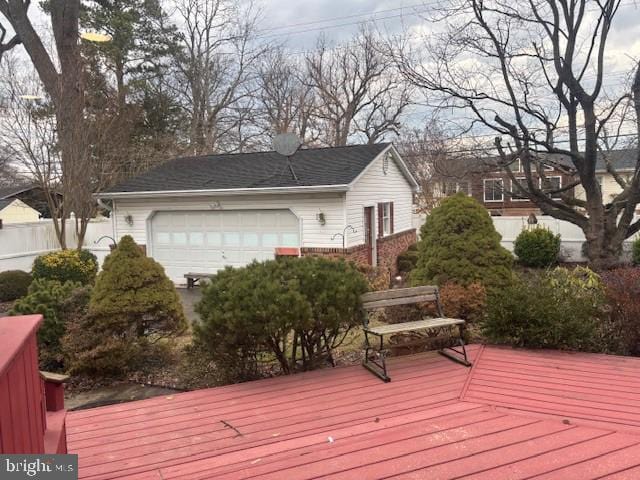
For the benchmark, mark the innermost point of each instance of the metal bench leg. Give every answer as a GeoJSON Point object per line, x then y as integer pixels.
{"type": "Point", "coordinates": [458, 355]}
{"type": "Point", "coordinates": [378, 368]}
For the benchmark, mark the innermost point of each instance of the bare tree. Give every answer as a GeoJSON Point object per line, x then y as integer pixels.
{"type": "Point", "coordinates": [440, 164]}
{"type": "Point", "coordinates": [212, 68]}
{"type": "Point", "coordinates": [534, 73]}
{"type": "Point", "coordinates": [284, 99]}
{"type": "Point", "coordinates": [62, 79]}
{"type": "Point", "coordinates": [9, 173]}
{"type": "Point", "coordinates": [7, 43]}
{"type": "Point", "coordinates": [28, 136]}
{"type": "Point", "coordinates": [358, 89]}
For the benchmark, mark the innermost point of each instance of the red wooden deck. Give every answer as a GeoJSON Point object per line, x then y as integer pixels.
{"type": "Point", "coordinates": [516, 414]}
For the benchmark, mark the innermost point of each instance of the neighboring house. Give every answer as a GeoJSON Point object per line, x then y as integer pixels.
{"type": "Point", "coordinates": [30, 194]}
{"type": "Point", "coordinates": [200, 214]}
{"type": "Point", "coordinates": [491, 186]}
{"type": "Point", "coordinates": [624, 164]}
{"type": "Point", "coordinates": [16, 211]}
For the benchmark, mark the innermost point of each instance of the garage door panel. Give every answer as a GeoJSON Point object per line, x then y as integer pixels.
{"type": "Point", "coordinates": [207, 241]}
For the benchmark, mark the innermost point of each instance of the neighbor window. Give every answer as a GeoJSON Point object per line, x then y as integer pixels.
{"type": "Point", "coordinates": [552, 184]}
{"type": "Point", "coordinates": [493, 190]}
{"type": "Point", "coordinates": [516, 196]}
{"type": "Point", "coordinates": [385, 219]}
{"type": "Point", "coordinates": [451, 187]}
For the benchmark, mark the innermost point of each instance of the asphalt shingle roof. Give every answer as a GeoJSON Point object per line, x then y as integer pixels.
{"type": "Point", "coordinates": [5, 202]}
{"type": "Point", "coordinates": [312, 167]}
{"type": "Point", "coordinates": [8, 192]}
{"type": "Point", "coordinates": [623, 159]}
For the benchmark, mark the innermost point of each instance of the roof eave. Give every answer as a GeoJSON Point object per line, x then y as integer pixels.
{"type": "Point", "coordinates": [225, 192]}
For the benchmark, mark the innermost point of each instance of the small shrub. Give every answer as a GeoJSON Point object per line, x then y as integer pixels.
{"type": "Point", "coordinates": [47, 297]}
{"type": "Point", "coordinates": [132, 301]}
{"type": "Point", "coordinates": [14, 284]}
{"type": "Point", "coordinates": [537, 247]}
{"type": "Point", "coordinates": [459, 244]}
{"type": "Point", "coordinates": [552, 309]}
{"type": "Point", "coordinates": [67, 265]}
{"type": "Point", "coordinates": [378, 278]}
{"type": "Point", "coordinates": [635, 251]}
{"type": "Point", "coordinates": [467, 302]}
{"type": "Point", "coordinates": [293, 310]}
{"type": "Point", "coordinates": [622, 287]}
{"type": "Point", "coordinates": [408, 259]}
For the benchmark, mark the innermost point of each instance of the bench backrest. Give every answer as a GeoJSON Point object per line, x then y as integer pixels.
{"type": "Point", "coordinates": [401, 296]}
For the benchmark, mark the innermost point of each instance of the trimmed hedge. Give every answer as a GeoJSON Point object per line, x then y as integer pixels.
{"type": "Point", "coordinates": [14, 284]}
{"type": "Point", "coordinates": [67, 266]}
{"type": "Point", "coordinates": [537, 247]}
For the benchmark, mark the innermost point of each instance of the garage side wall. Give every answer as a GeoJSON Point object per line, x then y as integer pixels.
{"type": "Point", "coordinates": [374, 187]}
{"type": "Point", "coordinates": [132, 215]}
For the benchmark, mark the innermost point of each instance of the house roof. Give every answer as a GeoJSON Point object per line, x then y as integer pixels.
{"type": "Point", "coordinates": [623, 159]}
{"type": "Point", "coordinates": [314, 167]}
{"type": "Point", "coordinates": [5, 202]}
{"type": "Point", "coordinates": [514, 414]}
{"type": "Point", "coordinates": [10, 191]}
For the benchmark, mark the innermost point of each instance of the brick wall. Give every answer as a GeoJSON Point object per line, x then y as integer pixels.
{"type": "Point", "coordinates": [391, 246]}
{"type": "Point", "coordinates": [388, 249]}
{"type": "Point", "coordinates": [357, 254]}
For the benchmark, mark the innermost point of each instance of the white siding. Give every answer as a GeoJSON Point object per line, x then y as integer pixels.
{"type": "Point", "coordinates": [305, 206]}
{"type": "Point", "coordinates": [375, 187]}
{"type": "Point", "coordinates": [18, 212]}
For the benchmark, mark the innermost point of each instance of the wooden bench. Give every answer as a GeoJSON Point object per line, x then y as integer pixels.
{"type": "Point", "coordinates": [193, 278]}
{"type": "Point", "coordinates": [375, 356]}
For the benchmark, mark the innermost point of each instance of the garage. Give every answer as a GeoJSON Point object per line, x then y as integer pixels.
{"type": "Point", "coordinates": [207, 241]}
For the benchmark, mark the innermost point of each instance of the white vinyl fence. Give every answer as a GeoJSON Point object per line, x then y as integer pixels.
{"type": "Point", "coordinates": [21, 243]}
{"type": "Point", "coordinates": [571, 236]}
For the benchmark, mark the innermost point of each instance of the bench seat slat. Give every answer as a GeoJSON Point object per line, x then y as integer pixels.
{"type": "Point", "coordinates": [412, 326]}
{"type": "Point", "coordinates": [399, 293]}
{"type": "Point", "coordinates": [399, 301]}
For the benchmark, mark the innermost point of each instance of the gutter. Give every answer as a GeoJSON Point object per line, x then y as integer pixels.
{"type": "Point", "coordinates": [223, 192]}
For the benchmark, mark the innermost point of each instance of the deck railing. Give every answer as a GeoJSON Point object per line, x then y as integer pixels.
{"type": "Point", "coordinates": [30, 422]}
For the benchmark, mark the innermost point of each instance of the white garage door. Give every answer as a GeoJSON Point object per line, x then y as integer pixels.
{"type": "Point", "coordinates": [206, 241]}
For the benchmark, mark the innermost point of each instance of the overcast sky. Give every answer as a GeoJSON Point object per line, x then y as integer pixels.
{"type": "Point", "coordinates": [297, 24]}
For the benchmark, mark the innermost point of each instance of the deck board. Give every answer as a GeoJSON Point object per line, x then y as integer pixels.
{"type": "Point", "coordinates": [516, 414]}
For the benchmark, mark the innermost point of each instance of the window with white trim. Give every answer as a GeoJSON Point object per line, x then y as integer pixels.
{"type": "Point", "coordinates": [516, 196]}
{"type": "Point", "coordinates": [493, 190]}
{"type": "Point", "coordinates": [552, 184]}
{"type": "Point", "coordinates": [386, 219]}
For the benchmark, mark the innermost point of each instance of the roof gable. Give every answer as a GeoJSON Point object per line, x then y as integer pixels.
{"type": "Point", "coordinates": [317, 167]}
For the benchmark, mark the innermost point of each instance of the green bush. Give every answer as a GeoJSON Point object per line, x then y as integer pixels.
{"type": "Point", "coordinates": [14, 284]}
{"type": "Point", "coordinates": [635, 251]}
{"type": "Point", "coordinates": [459, 244]}
{"type": "Point", "coordinates": [408, 259]}
{"type": "Point", "coordinates": [558, 308]}
{"type": "Point", "coordinates": [537, 247]}
{"type": "Point", "coordinates": [67, 265]}
{"type": "Point", "coordinates": [47, 297]}
{"type": "Point", "coordinates": [292, 310]}
{"type": "Point", "coordinates": [132, 301]}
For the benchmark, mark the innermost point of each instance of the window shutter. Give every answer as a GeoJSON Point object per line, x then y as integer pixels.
{"type": "Point", "coordinates": [380, 223]}
{"type": "Point", "coordinates": [391, 218]}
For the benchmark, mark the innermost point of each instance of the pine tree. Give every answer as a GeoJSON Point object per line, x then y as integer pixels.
{"type": "Point", "coordinates": [459, 244]}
